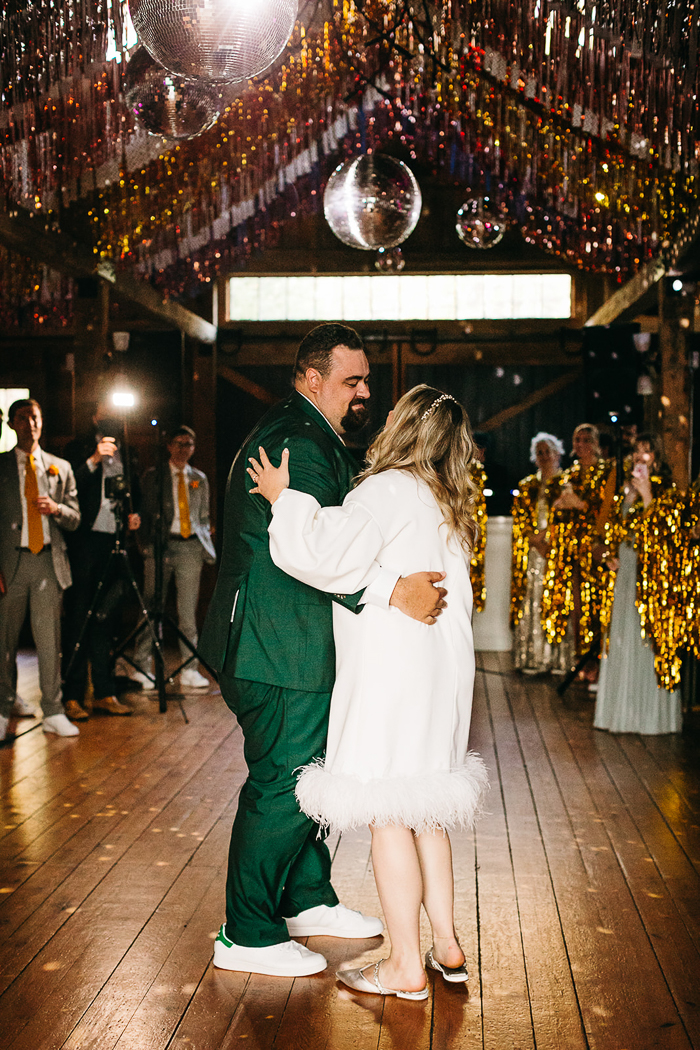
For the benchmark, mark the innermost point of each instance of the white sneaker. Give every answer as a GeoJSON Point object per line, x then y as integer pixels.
{"type": "Point", "coordinates": [4, 723]}
{"type": "Point", "coordinates": [324, 921]}
{"type": "Point", "coordinates": [59, 725]}
{"type": "Point", "coordinates": [192, 679]}
{"type": "Point", "coordinates": [287, 959]}
{"type": "Point", "coordinates": [22, 708]}
{"type": "Point", "coordinates": [146, 682]}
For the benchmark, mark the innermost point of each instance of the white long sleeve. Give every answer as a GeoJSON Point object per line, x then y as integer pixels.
{"type": "Point", "coordinates": [330, 548]}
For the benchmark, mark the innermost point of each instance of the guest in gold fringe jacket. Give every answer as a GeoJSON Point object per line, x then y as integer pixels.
{"type": "Point", "coordinates": [532, 505]}
{"type": "Point", "coordinates": [574, 580]}
{"type": "Point", "coordinates": [642, 615]}
{"type": "Point", "coordinates": [690, 568]}
{"type": "Point", "coordinates": [478, 571]}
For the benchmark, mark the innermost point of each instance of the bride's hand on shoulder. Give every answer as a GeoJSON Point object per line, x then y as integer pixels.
{"type": "Point", "coordinates": [269, 481]}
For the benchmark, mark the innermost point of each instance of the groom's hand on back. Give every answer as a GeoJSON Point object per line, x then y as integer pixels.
{"type": "Point", "coordinates": [418, 597]}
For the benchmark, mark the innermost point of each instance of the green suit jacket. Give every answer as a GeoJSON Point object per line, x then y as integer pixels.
{"type": "Point", "coordinates": [263, 625]}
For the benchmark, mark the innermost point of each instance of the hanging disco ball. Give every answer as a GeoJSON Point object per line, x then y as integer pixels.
{"type": "Point", "coordinates": [372, 202]}
{"type": "Point", "coordinates": [220, 40]}
{"type": "Point", "coordinates": [389, 260]}
{"type": "Point", "coordinates": [480, 223]}
{"type": "Point", "coordinates": [168, 105]}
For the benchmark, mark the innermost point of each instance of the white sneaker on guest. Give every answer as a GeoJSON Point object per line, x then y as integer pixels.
{"type": "Point", "coordinates": [339, 921]}
{"type": "Point", "coordinates": [146, 682]}
{"type": "Point", "coordinates": [192, 679]}
{"type": "Point", "coordinates": [22, 708]}
{"type": "Point", "coordinates": [4, 723]}
{"type": "Point", "coordinates": [59, 725]}
{"type": "Point", "coordinates": [287, 959]}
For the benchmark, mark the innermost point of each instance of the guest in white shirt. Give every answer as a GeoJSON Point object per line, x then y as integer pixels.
{"type": "Point", "coordinates": [38, 502]}
{"type": "Point", "coordinates": [187, 545]}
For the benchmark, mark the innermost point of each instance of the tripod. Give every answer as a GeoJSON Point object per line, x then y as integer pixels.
{"type": "Point", "coordinates": [157, 618]}
{"type": "Point", "coordinates": [118, 565]}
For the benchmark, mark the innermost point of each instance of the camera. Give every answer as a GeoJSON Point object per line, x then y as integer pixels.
{"type": "Point", "coordinates": [116, 487]}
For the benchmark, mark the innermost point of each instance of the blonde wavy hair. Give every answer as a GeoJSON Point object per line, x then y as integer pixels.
{"type": "Point", "coordinates": [429, 435]}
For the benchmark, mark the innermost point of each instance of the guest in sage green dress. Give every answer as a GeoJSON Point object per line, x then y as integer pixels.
{"type": "Point", "coordinates": [637, 688]}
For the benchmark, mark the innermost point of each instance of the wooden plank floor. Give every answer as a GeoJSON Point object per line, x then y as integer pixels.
{"type": "Point", "coordinates": [578, 897]}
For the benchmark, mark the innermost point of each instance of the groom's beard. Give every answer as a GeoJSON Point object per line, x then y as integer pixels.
{"type": "Point", "coordinates": [356, 416]}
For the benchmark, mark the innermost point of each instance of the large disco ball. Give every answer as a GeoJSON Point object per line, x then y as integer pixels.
{"type": "Point", "coordinates": [221, 40]}
{"type": "Point", "coordinates": [480, 223]}
{"type": "Point", "coordinates": [168, 105]}
{"type": "Point", "coordinates": [372, 202]}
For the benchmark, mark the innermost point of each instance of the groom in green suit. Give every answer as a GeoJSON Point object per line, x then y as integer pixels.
{"type": "Point", "coordinates": [270, 638]}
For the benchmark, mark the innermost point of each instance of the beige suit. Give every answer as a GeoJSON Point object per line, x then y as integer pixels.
{"type": "Point", "coordinates": [34, 579]}
{"type": "Point", "coordinates": [181, 559]}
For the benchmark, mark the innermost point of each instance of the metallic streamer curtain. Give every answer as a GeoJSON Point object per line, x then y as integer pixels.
{"type": "Point", "coordinates": [581, 117]}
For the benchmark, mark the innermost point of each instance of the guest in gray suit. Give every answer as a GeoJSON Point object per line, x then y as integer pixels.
{"type": "Point", "coordinates": [38, 502]}
{"type": "Point", "coordinates": [187, 545]}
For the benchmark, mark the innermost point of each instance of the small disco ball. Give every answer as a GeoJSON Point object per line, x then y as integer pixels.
{"type": "Point", "coordinates": [480, 223]}
{"type": "Point", "coordinates": [220, 40]}
{"type": "Point", "coordinates": [389, 260]}
{"type": "Point", "coordinates": [372, 202]}
{"type": "Point", "coordinates": [168, 105]}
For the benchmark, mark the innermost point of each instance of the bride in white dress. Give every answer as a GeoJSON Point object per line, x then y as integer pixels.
{"type": "Point", "coordinates": [397, 757]}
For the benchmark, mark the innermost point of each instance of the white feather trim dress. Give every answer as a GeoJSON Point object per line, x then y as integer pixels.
{"type": "Point", "coordinates": [398, 738]}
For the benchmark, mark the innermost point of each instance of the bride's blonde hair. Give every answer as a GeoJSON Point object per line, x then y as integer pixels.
{"type": "Point", "coordinates": [429, 436]}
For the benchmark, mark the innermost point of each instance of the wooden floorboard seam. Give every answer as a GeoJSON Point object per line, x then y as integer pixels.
{"type": "Point", "coordinates": [547, 858]}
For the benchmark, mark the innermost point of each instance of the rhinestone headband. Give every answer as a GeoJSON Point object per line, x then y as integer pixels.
{"type": "Point", "coordinates": [436, 402]}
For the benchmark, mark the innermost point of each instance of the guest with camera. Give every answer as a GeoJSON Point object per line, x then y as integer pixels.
{"type": "Point", "coordinates": [38, 505]}
{"type": "Point", "coordinates": [186, 545]}
{"type": "Point", "coordinates": [109, 495]}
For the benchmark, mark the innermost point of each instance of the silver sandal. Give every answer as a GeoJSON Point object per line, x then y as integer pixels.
{"type": "Point", "coordinates": [453, 974]}
{"type": "Point", "coordinates": [356, 980]}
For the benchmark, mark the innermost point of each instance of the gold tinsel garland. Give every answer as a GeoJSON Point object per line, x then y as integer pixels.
{"type": "Point", "coordinates": [659, 540]}
{"type": "Point", "coordinates": [572, 535]}
{"type": "Point", "coordinates": [475, 109]}
{"type": "Point", "coordinates": [525, 522]}
{"type": "Point", "coordinates": [478, 562]}
{"type": "Point", "coordinates": [690, 568]}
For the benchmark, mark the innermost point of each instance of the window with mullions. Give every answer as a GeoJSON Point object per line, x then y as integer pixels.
{"type": "Point", "coordinates": [401, 297]}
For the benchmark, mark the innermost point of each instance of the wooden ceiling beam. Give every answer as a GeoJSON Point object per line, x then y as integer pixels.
{"type": "Point", "coordinates": [534, 398]}
{"type": "Point", "coordinates": [477, 353]}
{"type": "Point", "coordinates": [30, 238]}
{"type": "Point", "coordinates": [260, 393]}
{"type": "Point", "coordinates": [628, 301]}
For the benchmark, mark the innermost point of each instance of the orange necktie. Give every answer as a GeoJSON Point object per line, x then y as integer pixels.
{"type": "Point", "coordinates": [31, 493]}
{"type": "Point", "coordinates": [184, 507]}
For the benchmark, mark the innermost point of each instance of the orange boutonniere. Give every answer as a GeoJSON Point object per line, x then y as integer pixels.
{"type": "Point", "coordinates": [194, 484]}
{"type": "Point", "coordinates": [53, 470]}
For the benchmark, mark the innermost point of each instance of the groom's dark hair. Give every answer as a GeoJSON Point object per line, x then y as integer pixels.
{"type": "Point", "coordinates": [316, 348]}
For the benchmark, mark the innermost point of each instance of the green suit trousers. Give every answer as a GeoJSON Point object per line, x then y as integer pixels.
{"type": "Point", "coordinates": [278, 864]}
